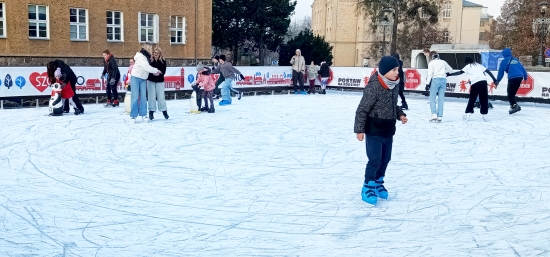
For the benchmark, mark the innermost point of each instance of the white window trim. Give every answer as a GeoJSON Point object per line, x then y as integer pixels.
{"type": "Point", "coordinates": [3, 19]}
{"type": "Point", "coordinates": [87, 24]}
{"type": "Point", "coordinates": [116, 26]}
{"type": "Point", "coordinates": [155, 29]}
{"type": "Point", "coordinates": [447, 9]}
{"type": "Point", "coordinates": [183, 30]}
{"type": "Point", "coordinates": [47, 21]}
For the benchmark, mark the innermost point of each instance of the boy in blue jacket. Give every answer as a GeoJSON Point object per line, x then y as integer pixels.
{"type": "Point", "coordinates": [516, 74]}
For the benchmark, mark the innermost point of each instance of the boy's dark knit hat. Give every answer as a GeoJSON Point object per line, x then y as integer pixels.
{"type": "Point", "coordinates": [217, 57]}
{"type": "Point", "coordinates": [387, 63]}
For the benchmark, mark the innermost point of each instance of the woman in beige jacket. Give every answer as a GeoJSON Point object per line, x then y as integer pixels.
{"type": "Point", "coordinates": [298, 68]}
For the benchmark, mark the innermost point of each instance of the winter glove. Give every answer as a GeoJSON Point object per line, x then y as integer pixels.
{"type": "Point", "coordinates": [112, 82]}
{"type": "Point", "coordinates": [241, 76]}
{"type": "Point", "coordinates": [448, 74]}
{"type": "Point", "coordinates": [195, 87]}
{"type": "Point", "coordinates": [428, 87]}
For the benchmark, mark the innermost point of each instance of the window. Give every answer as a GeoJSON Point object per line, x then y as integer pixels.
{"type": "Point", "coordinates": [148, 28]}
{"type": "Point", "coordinates": [177, 28]}
{"type": "Point", "coordinates": [79, 24]}
{"type": "Point", "coordinates": [115, 29]}
{"type": "Point", "coordinates": [446, 36]}
{"type": "Point", "coordinates": [38, 22]}
{"type": "Point", "coordinates": [2, 20]}
{"type": "Point", "coordinates": [447, 9]}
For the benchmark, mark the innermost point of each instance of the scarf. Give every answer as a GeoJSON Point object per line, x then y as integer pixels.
{"type": "Point", "coordinates": [386, 83]}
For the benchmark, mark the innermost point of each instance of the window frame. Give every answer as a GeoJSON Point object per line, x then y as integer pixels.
{"type": "Point", "coordinates": [446, 36]}
{"type": "Point", "coordinates": [78, 24]}
{"type": "Point", "coordinates": [182, 29]}
{"type": "Point", "coordinates": [3, 19]}
{"type": "Point", "coordinates": [37, 21]}
{"type": "Point", "coordinates": [155, 28]}
{"type": "Point", "coordinates": [447, 10]}
{"type": "Point", "coordinates": [113, 26]}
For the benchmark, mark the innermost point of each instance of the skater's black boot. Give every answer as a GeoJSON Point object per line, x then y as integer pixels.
{"type": "Point", "coordinates": [76, 111]}
{"type": "Point", "coordinates": [514, 108]}
{"type": "Point", "coordinates": [404, 105]}
{"type": "Point", "coordinates": [477, 105]}
{"type": "Point", "coordinates": [151, 116]}
{"type": "Point", "coordinates": [324, 91]}
{"type": "Point", "coordinates": [211, 110]}
{"type": "Point", "coordinates": [490, 106]}
{"type": "Point", "coordinates": [165, 113]}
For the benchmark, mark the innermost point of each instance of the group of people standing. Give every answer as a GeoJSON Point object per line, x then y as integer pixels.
{"type": "Point", "coordinates": [298, 70]}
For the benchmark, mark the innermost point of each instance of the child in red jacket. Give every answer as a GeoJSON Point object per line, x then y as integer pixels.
{"type": "Point", "coordinates": [67, 91]}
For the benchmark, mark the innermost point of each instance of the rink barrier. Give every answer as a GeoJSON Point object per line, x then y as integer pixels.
{"type": "Point", "coordinates": [27, 86]}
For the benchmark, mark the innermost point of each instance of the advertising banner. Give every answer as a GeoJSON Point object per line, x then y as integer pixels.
{"type": "Point", "coordinates": [32, 81]}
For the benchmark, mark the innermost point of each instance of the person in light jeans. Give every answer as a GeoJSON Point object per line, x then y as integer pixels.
{"type": "Point", "coordinates": [140, 73]}
{"type": "Point", "coordinates": [437, 74]}
{"type": "Point", "coordinates": [155, 86]}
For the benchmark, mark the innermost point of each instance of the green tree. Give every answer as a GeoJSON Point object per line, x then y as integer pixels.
{"type": "Point", "coordinates": [269, 21]}
{"type": "Point", "coordinates": [229, 25]}
{"type": "Point", "coordinates": [314, 48]}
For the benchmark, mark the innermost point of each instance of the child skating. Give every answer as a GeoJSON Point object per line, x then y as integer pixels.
{"type": "Point", "coordinates": [375, 121]}
{"type": "Point", "coordinates": [206, 82]}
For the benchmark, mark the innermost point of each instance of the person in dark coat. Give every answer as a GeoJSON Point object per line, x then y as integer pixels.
{"type": "Point", "coordinates": [375, 121]}
{"type": "Point", "coordinates": [402, 80]}
{"type": "Point", "coordinates": [324, 72]}
{"type": "Point", "coordinates": [70, 78]}
{"type": "Point", "coordinates": [110, 67]}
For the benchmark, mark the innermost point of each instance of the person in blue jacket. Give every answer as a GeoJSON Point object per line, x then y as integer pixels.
{"type": "Point", "coordinates": [516, 74]}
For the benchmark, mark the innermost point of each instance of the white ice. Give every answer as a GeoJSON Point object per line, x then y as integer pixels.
{"type": "Point", "coordinates": [272, 175]}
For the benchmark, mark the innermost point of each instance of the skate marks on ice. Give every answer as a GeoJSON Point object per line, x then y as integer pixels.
{"type": "Point", "coordinates": [271, 175]}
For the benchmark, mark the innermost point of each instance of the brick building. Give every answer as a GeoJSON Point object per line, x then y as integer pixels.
{"type": "Point", "coordinates": [33, 32]}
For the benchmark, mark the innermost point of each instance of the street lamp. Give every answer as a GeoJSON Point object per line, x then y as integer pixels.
{"type": "Point", "coordinates": [541, 27]}
{"type": "Point", "coordinates": [385, 22]}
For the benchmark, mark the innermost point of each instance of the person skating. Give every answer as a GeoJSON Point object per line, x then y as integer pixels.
{"type": "Point", "coordinates": [66, 91]}
{"type": "Point", "coordinates": [298, 68]}
{"type": "Point", "coordinates": [312, 70]}
{"type": "Point", "coordinates": [110, 67]}
{"type": "Point", "coordinates": [437, 74]}
{"type": "Point", "coordinates": [206, 82]}
{"type": "Point", "coordinates": [516, 74]}
{"type": "Point", "coordinates": [324, 73]}
{"type": "Point", "coordinates": [375, 121]}
{"type": "Point", "coordinates": [198, 91]}
{"type": "Point", "coordinates": [155, 86]}
{"type": "Point", "coordinates": [476, 72]}
{"type": "Point", "coordinates": [140, 73]}
{"type": "Point", "coordinates": [228, 71]}
{"type": "Point", "coordinates": [404, 104]}
{"type": "Point", "coordinates": [69, 79]}
{"type": "Point", "coordinates": [221, 78]}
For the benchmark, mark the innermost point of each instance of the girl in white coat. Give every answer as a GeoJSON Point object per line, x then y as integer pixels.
{"type": "Point", "coordinates": [140, 73]}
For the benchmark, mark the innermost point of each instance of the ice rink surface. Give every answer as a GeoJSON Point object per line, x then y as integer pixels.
{"type": "Point", "coordinates": [272, 176]}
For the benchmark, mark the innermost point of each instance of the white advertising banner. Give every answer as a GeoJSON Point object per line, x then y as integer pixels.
{"type": "Point", "coordinates": [32, 81]}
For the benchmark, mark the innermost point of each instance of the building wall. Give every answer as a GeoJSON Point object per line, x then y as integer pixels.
{"type": "Point", "coordinates": [18, 49]}
{"type": "Point", "coordinates": [470, 25]}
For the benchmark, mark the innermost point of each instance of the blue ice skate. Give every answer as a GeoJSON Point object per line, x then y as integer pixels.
{"type": "Point", "coordinates": [223, 103]}
{"type": "Point", "coordinates": [296, 92]}
{"type": "Point", "coordinates": [303, 93]}
{"type": "Point", "coordinates": [368, 192]}
{"type": "Point", "coordinates": [380, 189]}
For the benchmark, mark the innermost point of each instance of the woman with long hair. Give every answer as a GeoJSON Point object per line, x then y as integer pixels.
{"type": "Point", "coordinates": [140, 73]}
{"type": "Point", "coordinates": [476, 72]}
{"type": "Point", "coordinates": [69, 79]}
{"type": "Point", "coordinates": [155, 85]}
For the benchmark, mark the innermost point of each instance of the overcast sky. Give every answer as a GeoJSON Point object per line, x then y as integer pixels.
{"type": "Point", "coordinates": [303, 8]}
